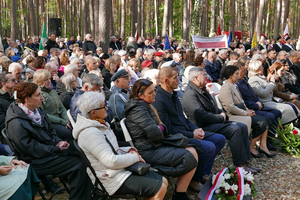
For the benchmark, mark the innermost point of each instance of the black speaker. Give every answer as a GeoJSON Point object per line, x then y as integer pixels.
{"type": "Point", "coordinates": [54, 26]}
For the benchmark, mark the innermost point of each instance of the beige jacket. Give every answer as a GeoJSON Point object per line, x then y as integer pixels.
{"type": "Point", "coordinates": [230, 97]}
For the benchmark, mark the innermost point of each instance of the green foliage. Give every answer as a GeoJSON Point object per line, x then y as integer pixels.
{"type": "Point", "coordinates": [287, 140]}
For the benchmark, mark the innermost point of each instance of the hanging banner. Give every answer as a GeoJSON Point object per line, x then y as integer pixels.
{"type": "Point", "coordinates": [201, 42]}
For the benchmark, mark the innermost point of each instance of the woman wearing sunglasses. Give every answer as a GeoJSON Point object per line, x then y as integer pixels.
{"type": "Point", "coordinates": [147, 132]}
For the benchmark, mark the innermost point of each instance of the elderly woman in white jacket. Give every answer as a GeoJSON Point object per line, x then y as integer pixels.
{"type": "Point", "coordinates": [90, 130]}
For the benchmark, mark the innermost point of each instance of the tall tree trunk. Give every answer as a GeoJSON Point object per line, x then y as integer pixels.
{"type": "Point", "coordinates": [23, 28]}
{"type": "Point", "coordinates": [104, 22]}
{"type": "Point", "coordinates": [277, 18]}
{"type": "Point", "coordinates": [38, 26]}
{"type": "Point", "coordinates": [143, 19]}
{"type": "Point", "coordinates": [65, 17]}
{"type": "Point", "coordinates": [92, 21]}
{"type": "Point", "coordinates": [185, 20]}
{"type": "Point", "coordinates": [190, 16]}
{"type": "Point", "coordinates": [286, 12]}
{"type": "Point", "coordinates": [228, 14]}
{"type": "Point", "coordinates": [72, 14]}
{"type": "Point", "coordinates": [14, 26]}
{"type": "Point", "coordinates": [298, 27]}
{"type": "Point", "coordinates": [252, 18]}
{"type": "Point", "coordinates": [32, 18]}
{"type": "Point", "coordinates": [123, 19]}
{"type": "Point", "coordinates": [204, 18]}
{"type": "Point", "coordinates": [84, 18]}
{"type": "Point", "coordinates": [133, 16]}
{"type": "Point", "coordinates": [260, 16]}
{"type": "Point", "coordinates": [212, 18]}
{"type": "Point", "coordinates": [96, 17]}
{"type": "Point", "coordinates": [232, 17]}
{"type": "Point", "coordinates": [111, 25]}
{"type": "Point", "coordinates": [283, 17]}
{"type": "Point", "coordinates": [222, 15]}
{"type": "Point", "coordinates": [156, 17]}
{"type": "Point", "coordinates": [165, 19]}
{"type": "Point", "coordinates": [171, 19]}
{"type": "Point", "coordinates": [139, 16]}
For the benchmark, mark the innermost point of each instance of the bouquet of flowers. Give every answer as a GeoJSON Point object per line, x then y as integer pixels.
{"type": "Point", "coordinates": [232, 183]}
{"type": "Point", "coordinates": [288, 139]}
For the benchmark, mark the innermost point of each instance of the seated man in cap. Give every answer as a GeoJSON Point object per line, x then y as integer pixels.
{"type": "Point", "coordinates": [120, 94]}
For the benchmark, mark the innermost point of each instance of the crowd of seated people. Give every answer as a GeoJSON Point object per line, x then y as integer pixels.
{"type": "Point", "coordinates": [159, 93]}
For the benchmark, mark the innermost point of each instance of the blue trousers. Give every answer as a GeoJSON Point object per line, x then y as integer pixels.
{"type": "Point", "coordinates": [271, 114]}
{"type": "Point", "coordinates": [210, 146]}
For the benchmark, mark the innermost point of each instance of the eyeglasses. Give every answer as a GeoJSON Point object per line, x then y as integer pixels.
{"type": "Point", "coordinates": [145, 82]}
{"type": "Point", "coordinates": [97, 109]}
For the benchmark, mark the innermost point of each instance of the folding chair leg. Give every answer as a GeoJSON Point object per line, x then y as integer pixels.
{"type": "Point", "coordinates": [41, 194]}
{"type": "Point", "coordinates": [226, 163]}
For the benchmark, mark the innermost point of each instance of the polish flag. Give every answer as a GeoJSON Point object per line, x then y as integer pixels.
{"type": "Point", "coordinates": [285, 34]}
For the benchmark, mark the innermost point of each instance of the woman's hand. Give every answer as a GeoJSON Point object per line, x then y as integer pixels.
{"type": "Point", "coordinates": [259, 105]}
{"type": "Point", "coordinates": [293, 96]}
{"type": "Point", "coordinates": [274, 78]}
{"type": "Point", "coordinates": [68, 125]}
{"type": "Point", "coordinates": [55, 77]}
{"type": "Point", "coordinates": [250, 113]}
{"type": "Point", "coordinates": [4, 170]}
{"type": "Point", "coordinates": [141, 159]}
{"type": "Point", "coordinates": [15, 162]}
{"type": "Point", "coordinates": [63, 145]}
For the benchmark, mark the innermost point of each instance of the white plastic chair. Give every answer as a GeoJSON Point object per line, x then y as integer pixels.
{"type": "Point", "coordinates": [215, 87]}
{"type": "Point", "coordinates": [126, 132]}
{"type": "Point", "coordinates": [70, 118]}
{"type": "Point", "coordinates": [218, 102]}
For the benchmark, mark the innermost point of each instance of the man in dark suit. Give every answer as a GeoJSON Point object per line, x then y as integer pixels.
{"type": "Point", "coordinates": [287, 46]}
{"type": "Point", "coordinates": [269, 61]}
{"type": "Point", "coordinates": [202, 110]}
{"type": "Point", "coordinates": [278, 45]}
{"type": "Point", "coordinates": [247, 45]}
{"type": "Point", "coordinates": [292, 61]}
{"type": "Point", "coordinates": [170, 112]}
{"type": "Point", "coordinates": [114, 44]}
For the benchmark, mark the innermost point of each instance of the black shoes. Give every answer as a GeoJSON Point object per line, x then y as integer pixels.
{"type": "Point", "coordinates": [53, 188]}
{"type": "Point", "coordinates": [180, 196]}
{"type": "Point", "coordinates": [268, 155]}
{"type": "Point", "coordinates": [271, 147]}
{"type": "Point", "coordinates": [256, 155]}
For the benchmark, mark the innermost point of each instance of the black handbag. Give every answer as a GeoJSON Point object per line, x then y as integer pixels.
{"type": "Point", "coordinates": [241, 106]}
{"type": "Point", "coordinates": [176, 140]}
{"type": "Point", "coordinates": [139, 168]}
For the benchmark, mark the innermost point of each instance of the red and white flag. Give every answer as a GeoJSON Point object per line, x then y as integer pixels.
{"type": "Point", "coordinates": [136, 35]}
{"type": "Point", "coordinates": [285, 34]}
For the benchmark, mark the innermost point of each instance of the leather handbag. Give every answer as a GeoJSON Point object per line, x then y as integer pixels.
{"type": "Point", "coordinates": [139, 168]}
{"type": "Point", "coordinates": [176, 140]}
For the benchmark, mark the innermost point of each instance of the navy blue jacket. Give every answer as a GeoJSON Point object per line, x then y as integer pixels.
{"type": "Point", "coordinates": [170, 112]}
{"type": "Point", "coordinates": [213, 70]}
{"type": "Point", "coordinates": [74, 110]}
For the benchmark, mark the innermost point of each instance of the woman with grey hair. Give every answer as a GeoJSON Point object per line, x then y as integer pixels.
{"type": "Point", "coordinates": [109, 160]}
{"type": "Point", "coordinates": [73, 68]}
{"type": "Point", "coordinates": [52, 104]}
{"type": "Point", "coordinates": [263, 88]}
{"type": "Point", "coordinates": [70, 84]}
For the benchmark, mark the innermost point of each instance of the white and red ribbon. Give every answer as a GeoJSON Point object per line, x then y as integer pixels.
{"type": "Point", "coordinates": [215, 185]}
{"type": "Point", "coordinates": [240, 174]}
